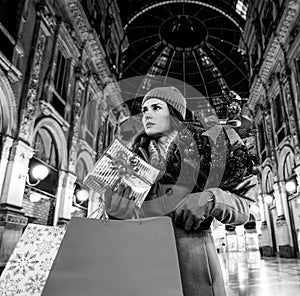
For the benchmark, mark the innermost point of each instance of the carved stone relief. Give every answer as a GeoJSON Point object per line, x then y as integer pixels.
{"type": "Point", "coordinates": [31, 98]}
{"type": "Point", "coordinates": [269, 131]}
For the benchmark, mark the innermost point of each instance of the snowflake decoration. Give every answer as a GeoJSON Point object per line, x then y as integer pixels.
{"type": "Point", "coordinates": [45, 247]}
{"type": "Point", "coordinates": [22, 263]}
{"type": "Point", "coordinates": [35, 284]}
{"type": "Point", "coordinates": [46, 264]}
{"type": "Point", "coordinates": [9, 286]}
{"type": "Point", "coordinates": [32, 235]}
{"type": "Point", "coordinates": [56, 232]}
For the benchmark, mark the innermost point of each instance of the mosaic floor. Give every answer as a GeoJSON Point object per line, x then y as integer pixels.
{"type": "Point", "coordinates": [247, 274]}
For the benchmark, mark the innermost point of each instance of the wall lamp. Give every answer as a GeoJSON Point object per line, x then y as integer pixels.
{"type": "Point", "coordinates": [80, 196]}
{"type": "Point", "coordinates": [39, 172]}
{"type": "Point", "coordinates": [291, 186]}
{"type": "Point", "coordinates": [268, 198]}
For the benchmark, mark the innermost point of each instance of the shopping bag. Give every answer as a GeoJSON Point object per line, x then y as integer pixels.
{"type": "Point", "coordinates": [116, 258]}
{"type": "Point", "coordinates": [29, 265]}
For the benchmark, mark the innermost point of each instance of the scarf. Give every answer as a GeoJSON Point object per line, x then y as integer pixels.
{"type": "Point", "coordinates": [160, 159]}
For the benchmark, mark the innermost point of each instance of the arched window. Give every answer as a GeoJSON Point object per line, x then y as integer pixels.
{"type": "Point", "coordinates": [45, 147]}
{"type": "Point", "coordinates": [269, 182]}
{"type": "Point", "coordinates": [288, 166]}
{"type": "Point", "coordinates": [1, 115]}
{"type": "Point", "coordinates": [89, 122]}
{"type": "Point", "coordinates": [81, 170]}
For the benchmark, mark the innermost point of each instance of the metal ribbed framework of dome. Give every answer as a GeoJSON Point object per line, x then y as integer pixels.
{"type": "Point", "coordinates": [193, 42]}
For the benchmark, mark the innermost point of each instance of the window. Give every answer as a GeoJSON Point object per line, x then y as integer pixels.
{"type": "Point", "coordinates": [268, 19]}
{"type": "Point", "coordinates": [81, 170]}
{"type": "Point", "coordinates": [61, 78]}
{"type": "Point", "coordinates": [279, 119]}
{"type": "Point", "coordinates": [269, 183]}
{"type": "Point", "coordinates": [45, 147]}
{"type": "Point", "coordinates": [262, 141]}
{"type": "Point", "coordinates": [254, 55]}
{"type": "Point", "coordinates": [110, 132]}
{"type": "Point", "coordinates": [10, 18]}
{"type": "Point", "coordinates": [241, 8]}
{"type": "Point", "coordinates": [289, 164]}
{"type": "Point", "coordinates": [1, 120]}
{"type": "Point", "coordinates": [91, 122]}
{"type": "Point", "coordinates": [46, 153]}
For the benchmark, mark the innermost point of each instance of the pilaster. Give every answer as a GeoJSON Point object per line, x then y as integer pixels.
{"type": "Point", "coordinates": [16, 173]}
{"type": "Point", "coordinates": [12, 219]}
{"type": "Point", "coordinates": [65, 191]}
{"type": "Point", "coordinates": [6, 146]}
{"type": "Point", "coordinates": [279, 195]}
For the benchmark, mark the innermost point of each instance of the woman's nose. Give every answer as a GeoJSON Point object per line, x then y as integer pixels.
{"type": "Point", "coordinates": [147, 115]}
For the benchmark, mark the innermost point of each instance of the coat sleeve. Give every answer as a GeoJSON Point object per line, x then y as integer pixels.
{"type": "Point", "coordinates": [229, 208]}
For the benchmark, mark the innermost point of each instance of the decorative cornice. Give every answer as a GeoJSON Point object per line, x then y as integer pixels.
{"type": "Point", "coordinates": [88, 34]}
{"type": "Point", "coordinates": [48, 17]}
{"type": "Point", "coordinates": [13, 219]}
{"type": "Point", "coordinates": [273, 50]}
{"type": "Point", "coordinates": [67, 38]}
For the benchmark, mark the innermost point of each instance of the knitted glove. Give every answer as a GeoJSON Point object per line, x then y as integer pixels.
{"type": "Point", "coordinates": [117, 202]}
{"type": "Point", "coordinates": [193, 210]}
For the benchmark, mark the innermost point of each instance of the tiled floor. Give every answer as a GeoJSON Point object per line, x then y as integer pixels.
{"type": "Point", "coordinates": [247, 274]}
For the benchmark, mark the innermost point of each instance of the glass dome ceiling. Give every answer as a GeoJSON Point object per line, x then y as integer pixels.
{"type": "Point", "coordinates": [193, 42]}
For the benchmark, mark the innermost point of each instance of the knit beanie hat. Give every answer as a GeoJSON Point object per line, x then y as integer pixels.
{"type": "Point", "coordinates": [170, 95]}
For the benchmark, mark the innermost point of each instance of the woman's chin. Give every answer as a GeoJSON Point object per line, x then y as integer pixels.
{"type": "Point", "coordinates": [155, 134]}
{"type": "Point", "coordinates": [150, 132]}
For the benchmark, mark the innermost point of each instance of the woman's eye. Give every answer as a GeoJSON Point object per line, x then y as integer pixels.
{"type": "Point", "coordinates": [156, 108]}
{"type": "Point", "coordinates": [144, 110]}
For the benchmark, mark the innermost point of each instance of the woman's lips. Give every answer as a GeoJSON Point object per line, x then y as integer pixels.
{"type": "Point", "coordinates": [149, 124]}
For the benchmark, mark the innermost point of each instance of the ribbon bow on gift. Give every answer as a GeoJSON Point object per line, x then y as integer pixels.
{"type": "Point", "coordinates": [124, 164]}
{"type": "Point", "coordinates": [219, 125]}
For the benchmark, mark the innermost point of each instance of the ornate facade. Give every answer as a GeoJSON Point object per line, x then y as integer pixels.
{"type": "Point", "coordinates": [58, 74]}
{"type": "Point", "coordinates": [271, 39]}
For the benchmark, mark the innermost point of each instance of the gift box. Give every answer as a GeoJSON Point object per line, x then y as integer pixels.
{"type": "Point", "coordinates": [119, 165]}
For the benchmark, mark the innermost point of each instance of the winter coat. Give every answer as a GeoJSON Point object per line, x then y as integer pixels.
{"type": "Point", "coordinates": [198, 260]}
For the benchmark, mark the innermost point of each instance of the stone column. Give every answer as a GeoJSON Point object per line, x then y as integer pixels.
{"type": "Point", "coordinates": [278, 198]}
{"type": "Point", "coordinates": [7, 144]}
{"type": "Point", "coordinates": [12, 219]}
{"type": "Point", "coordinates": [266, 235]}
{"type": "Point", "coordinates": [283, 223]}
{"type": "Point", "coordinates": [297, 171]}
{"type": "Point", "coordinates": [65, 190]}
{"type": "Point", "coordinates": [261, 207]}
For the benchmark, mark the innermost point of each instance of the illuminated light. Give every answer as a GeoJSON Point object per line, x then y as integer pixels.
{"type": "Point", "coordinates": [183, 1]}
{"type": "Point", "coordinates": [35, 197]}
{"type": "Point", "coordinates": [268, 199]}
{"type": "Point", "coordinates": [298, 200]}
{"type": "Point", "coordinates": [82, 195]}
{"type": "Point", "coordinates": [290, 186]}
{"type": "Point", "coordinates": [39, 172]}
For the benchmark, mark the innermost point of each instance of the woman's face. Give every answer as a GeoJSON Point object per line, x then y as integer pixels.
{"type": "Point", "coordinates": [156, 117]}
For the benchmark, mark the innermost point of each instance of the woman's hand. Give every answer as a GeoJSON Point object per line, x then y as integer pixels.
{"type": "Point", "coordinates": [118, 203]}
{"type": "Point", "coordinates": [193, 210]}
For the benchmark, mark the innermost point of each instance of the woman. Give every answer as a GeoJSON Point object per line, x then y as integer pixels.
{"type": "Point", "coordinates": [182, 152]}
